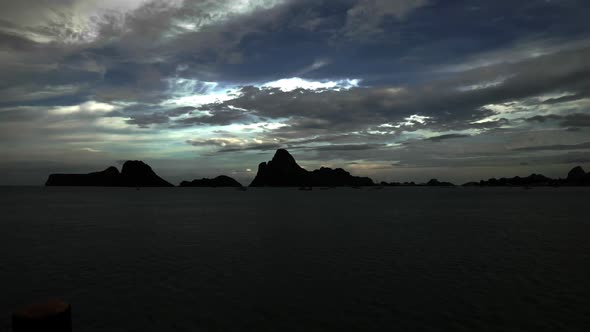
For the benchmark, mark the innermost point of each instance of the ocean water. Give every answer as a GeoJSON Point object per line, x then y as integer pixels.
{"type": "Point", "coordinates": [397, 259]}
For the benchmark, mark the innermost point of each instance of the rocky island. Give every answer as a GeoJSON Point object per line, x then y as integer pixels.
{"type": "Point", "coordinates": [220, 181]}
{"type": "Point", "coordinates": [575, 177]}
{"type": "Point", "coordinates": [134, 173]}
{"type": "Point", "coordinates": [283, 171]}
{"type": "Point", "coordinates": [430, 183]}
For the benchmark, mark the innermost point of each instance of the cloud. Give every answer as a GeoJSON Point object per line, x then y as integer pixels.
{"type": "Point", "coordinates": [317, 64]}
{"type": "Point", "coordinates": [347, 147]}
{"type": "Point", "coordinates": [440, 103]}
{"type": "Point", "coordinates": [90, 150]}
{"type": "Point", "coordinates": [370, 81]}
{"type": "Point", "coordinates": [144, 120]}
{"type": "Point", "coordinates": [570, 120]}
{"type": "Point", "coordinates": [557, 147]}
{"type": "Point", "coordinates": [446, 137]}
{"type": "Point", "coordinates": [232, 144]}
{"type": "Point", "coordinates": [576, 120]}
{"type": "Point", "coordinates": [543, 118]}
{"type": "Point", "coordinates": [365, 18]}
{"type": "Point", "coordinates": [294, 83]}
{"type": "Point", "coordinates": [217, 115]}
{"type": "Point", "coordinates": [90, 107]}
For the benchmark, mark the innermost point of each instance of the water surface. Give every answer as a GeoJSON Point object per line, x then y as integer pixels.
{"type": "Point", "coordinates": [401, 259]}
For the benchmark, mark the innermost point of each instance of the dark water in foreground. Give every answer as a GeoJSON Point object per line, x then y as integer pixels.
{"type": "Point", "coordinates": [398, 259]}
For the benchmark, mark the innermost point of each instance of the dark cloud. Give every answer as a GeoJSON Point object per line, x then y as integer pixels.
{"type": "Point", "coordinates": [447, 106]}
{"type": "Point", "coordinates": [180, 111]}
{"type": "Point", "coordinates": [543, 118]}
{"type": "Point", "coordinates": [557, 147]}
{"type": "Point", "coordinates": [564, 99]}
{"type": "Point", "coordinates": [160, 115]}
{"type": "Point", "coordinates": [253, 147]}
{"type": "Point", "coordinates": [144, 120]}
{"type": "Point", "coordinates": [231, 144]}
{"type": "Point", "coordinates": [446, 137]}
{"type": "Point", "coordinates": [19, 114]}
{"type": "Point", "coordinates": [576, 120]}
{"type": "Point", "coordinates": [219, 116]}
{"type": "Point", "coordinates": [347, 147]}
{"type": "Point", "coordinates": [571, 120]}
{"type": "Point", "coordinates": [12, 42]}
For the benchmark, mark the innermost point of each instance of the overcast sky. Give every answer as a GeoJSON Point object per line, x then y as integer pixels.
{"type": "Point", "coordinates": [393, 89]}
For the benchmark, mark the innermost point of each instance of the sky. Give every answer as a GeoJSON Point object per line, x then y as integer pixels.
{"type": "Point", "coordinates": [397, 90]}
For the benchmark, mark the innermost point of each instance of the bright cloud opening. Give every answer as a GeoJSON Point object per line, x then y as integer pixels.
{"type": "Point", "coordinates": [290, 84]}
{"type": "Point", "coordinates": [89, 107]}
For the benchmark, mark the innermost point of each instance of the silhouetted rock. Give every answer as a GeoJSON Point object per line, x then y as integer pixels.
{"type": "Point", "coordinates": [575, 177]}
{"type": "Point", "coordinates": [578, 177]}
{"type": "Point", "coordinates": [283, 171]}
{"type": "Point", "coordinates": [328, 177]}
{"type": "Point", "coordinates": [220, 181]}
{"type": "Point", "coordinates": [471, 184]}
{"type": "Point", "coordinates": [436, 183]}
{"type": "Point", "coordinates": [517, 181]}
{"type": "Point", "coordinates": [134, 174]}
{"type": "Point", "coordinates": [107, 178]}
{"type": "Point", "coordinates": [577, 173]}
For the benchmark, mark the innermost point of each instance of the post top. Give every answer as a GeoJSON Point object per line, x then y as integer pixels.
{"type": "Point", "coordinates": [43, 309]}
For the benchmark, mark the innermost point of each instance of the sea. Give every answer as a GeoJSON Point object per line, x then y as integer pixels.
{"type": "Point", "coordinates": [282, 259]}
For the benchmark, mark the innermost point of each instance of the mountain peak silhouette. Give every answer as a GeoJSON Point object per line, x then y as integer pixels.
{"type": "Point", "coordinates": [283, 171]}
{"type": "Point", "coordinates": [136, 173]}
{"type": "Point", "coordinates": [283, 157]}
{"type": "Point", "coordinates": [283, 161]}
{"type": "Point", "coordinates": [575, 174]}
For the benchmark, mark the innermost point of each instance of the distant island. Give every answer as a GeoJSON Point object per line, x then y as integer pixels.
{"type": "Point", "coordinates": [283, 171]}
{"type": "Point", "coordinates": [134, 173]}
{"type": "Point", "coordinates": [220, 181]}
{"type": "Point", "coordinates": [576, 177]}
{"type": "Point", "coordinates": [431, 183]}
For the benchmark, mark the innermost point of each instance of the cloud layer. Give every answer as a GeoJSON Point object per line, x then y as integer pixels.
{"type": "Point", "coordinates": [392, 89]}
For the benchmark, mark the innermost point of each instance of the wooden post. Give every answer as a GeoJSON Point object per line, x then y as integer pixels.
{"type": "Point", "coordinates": [48, 316]}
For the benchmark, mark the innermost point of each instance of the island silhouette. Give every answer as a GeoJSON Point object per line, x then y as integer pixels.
{"type": "Point", "coordinates": [283, 171]}
{"type": "Point", "coordinates": [220, 181]}
{"type": "Point", "coordinates": [135, 173]}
